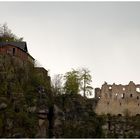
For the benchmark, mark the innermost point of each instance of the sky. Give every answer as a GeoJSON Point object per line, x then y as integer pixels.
{"type": "Point", "coordinates": [101, 36]}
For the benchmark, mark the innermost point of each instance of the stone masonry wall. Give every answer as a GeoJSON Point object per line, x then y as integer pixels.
{"type": "Point", "coordinates": [118, 99]}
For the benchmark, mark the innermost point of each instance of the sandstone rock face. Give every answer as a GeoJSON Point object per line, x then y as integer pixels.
{"type": "Point", "coordinates": [118, 99]}
{"type": "Point", "coordinates": [74, 117]}
{"type": "Point", "coordinates": [122, 127]}
{"type": "Point", "coordinates": [42, 130]}
{"type": "Point", "coordinates": [58, 121]}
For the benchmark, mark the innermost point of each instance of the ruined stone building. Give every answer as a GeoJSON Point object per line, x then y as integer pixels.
{"type": "Point", "coordinates": [118, 99]}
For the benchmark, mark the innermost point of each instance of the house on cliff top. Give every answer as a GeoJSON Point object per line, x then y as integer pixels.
{"type": "Point", "coordinates": [17, 49]}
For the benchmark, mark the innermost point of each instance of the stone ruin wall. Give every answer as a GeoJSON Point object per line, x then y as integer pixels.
{"type": "Point", "coordinates": [118, 99]}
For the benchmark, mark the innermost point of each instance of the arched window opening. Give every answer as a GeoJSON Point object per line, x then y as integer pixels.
{"type": "Point", "coordinates": [122, 95]}
{"type": "Point", "coordinates": [131, 95]}
{"type": "Point", "coordinates": [138, 89]}
{"type": "Point", "coordinates": [116, 95]}
{"type": "Point", "coordinates": [137, 97]}
{"type": "Point", "coordinates": [119, 114]}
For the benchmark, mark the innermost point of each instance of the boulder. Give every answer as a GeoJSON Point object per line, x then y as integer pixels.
{"type": "Point", "coordinates": [32, 109]}
{"type": "Point", "coordinates": [17, 135]}
{"type": "Point", "coordinates": [3, 106]}
{"type": "Point", "coordinates": [42, 114]}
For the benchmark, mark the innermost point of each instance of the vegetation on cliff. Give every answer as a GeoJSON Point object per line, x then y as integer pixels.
{"type": "Point", "coordinates": [73, 82]}
{"type": "Point", "coordinates": [19, 98]}
{"type": "Point", "coordinates": [6, 34]}
{"type": "Point", "coordinates": [79, 121]}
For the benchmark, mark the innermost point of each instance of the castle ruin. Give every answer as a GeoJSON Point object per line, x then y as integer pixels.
{"type": "Point", "coordinates": [118, 99]}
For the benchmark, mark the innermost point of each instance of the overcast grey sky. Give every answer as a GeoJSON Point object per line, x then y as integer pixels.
{"type": "Point", "coordinates": [102, 36]}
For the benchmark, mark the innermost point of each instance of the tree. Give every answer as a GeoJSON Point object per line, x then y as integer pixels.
{"type": "Point", "coordinates": [6, 34]}
{"type": "Point", "coordinates": [77, 81]}
{"type": "Point", "coordinates": [86, 79]}
{"type": "Point", "coordinates": [72, 82]}
{"type": "Point", "coordinates": [57, 86]}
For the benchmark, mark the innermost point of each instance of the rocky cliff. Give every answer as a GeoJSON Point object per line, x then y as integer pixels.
{"type": "Point", "coordinates": [29, 109]}
{"type": "Point", "coordinates": [23, 95]}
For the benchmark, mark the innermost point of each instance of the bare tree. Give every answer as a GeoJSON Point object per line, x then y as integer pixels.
{"type": "Point", "coordinates": [57, 84]}
{"type": "Point", "coordinates": [6, 34]}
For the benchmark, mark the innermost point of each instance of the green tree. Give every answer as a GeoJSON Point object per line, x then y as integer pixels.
{"type": "Point", "coordinates": [72, 82]}
{"type": "Point", "coordinates": [77, 81]}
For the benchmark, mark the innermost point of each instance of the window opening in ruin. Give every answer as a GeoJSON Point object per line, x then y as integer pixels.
{"type": "Point", "coordinates": [138, 89]}
{"type": "Point", "coordinates": [116, 96]}
{"type": "Point", "coordinates": [131, 95]}
{"type": "Point", "coordinates": [137, 97]}
{"type": "Point", "coordinates": [110, 87]}
{"type": "Point", "coordinates": [122, 95]}
{"type": "Point", "coordinates": [119, 114]}
{"type": "Point", "coordinates": [138, 104]}
{"type": "Point", "coordinates": [123, 88]}
{"type": "Point", "coordinates": [120, 104]}
{"type": "Point", "coordinates": [13, 51]}
{"type": "Point", "coordinates": [108, 114]}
